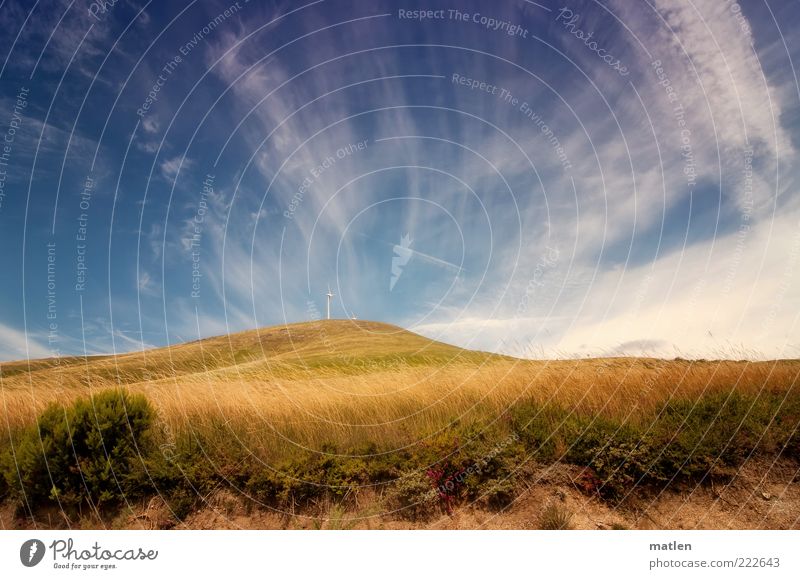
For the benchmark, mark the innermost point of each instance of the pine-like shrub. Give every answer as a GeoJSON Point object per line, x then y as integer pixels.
{"type": "Point", "coordinates": [88, 452]}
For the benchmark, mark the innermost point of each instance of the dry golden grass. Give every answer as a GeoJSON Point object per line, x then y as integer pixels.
{"type": "Point", "coordinates": [347, 383]}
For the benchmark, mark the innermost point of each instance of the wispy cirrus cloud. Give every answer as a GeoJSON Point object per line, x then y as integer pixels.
{"type": "Point", "coordinates": [582, 216]}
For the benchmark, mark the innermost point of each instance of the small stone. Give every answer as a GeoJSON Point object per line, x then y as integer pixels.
{"type": "Point", "coordinates": [765, 495]}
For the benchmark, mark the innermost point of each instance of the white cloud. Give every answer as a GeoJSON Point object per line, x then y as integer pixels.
{"type": "Point", "coordinates": [150, 124]}
{"type": "Point", "coordinates": [129, 343]}
{"type": "Point", "coordinates": [15, 345]}
{"type": "Point", "coordinates": [146, 284]}
{"type": "Point", "coordinates": [147, 146]}
{"type": "Point", "coordinates": [708, 301]}
{"type": "Point", "coordinates": [171, 167]}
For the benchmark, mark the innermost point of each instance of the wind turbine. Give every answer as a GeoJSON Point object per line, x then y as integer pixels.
{"type": "Point", "coordinates": [330, 296]}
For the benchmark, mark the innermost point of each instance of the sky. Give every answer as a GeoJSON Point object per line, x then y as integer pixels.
{"type": "Point", "coordinates": [543, 179]}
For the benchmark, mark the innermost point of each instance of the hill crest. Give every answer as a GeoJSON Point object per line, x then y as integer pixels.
{"type": "Point", "coordinates": [341, 345]}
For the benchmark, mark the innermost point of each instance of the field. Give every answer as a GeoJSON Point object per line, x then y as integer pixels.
{"type": "Point", "coordinates": [318, 423]}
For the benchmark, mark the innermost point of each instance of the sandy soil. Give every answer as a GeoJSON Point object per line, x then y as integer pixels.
{"type": "Point", "coordinates": [761, 495]}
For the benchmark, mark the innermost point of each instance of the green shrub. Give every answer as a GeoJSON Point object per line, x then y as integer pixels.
{"type": "Point", "coordinates": [618, 455]}
{"type": "Point", "coordinates": [412, 497]}
{"type": "Point", "coordinates": [787, 427]}
{"type": "Point", "coordinates": [88, 452]}
{"type": "Point", "coordinates": [701, 438]}
{"type": "Point", "coordinates": [472, 463]}
{"type": "Point", "coordinates": [541, 429]}
{"type": "Point", "coordinates": [283, 487]}
{"type": "Point", "coordinates": [182, 474]}
{"type": "Point", "coordinates": [303, 479]}
{"type": "Point", "coordinates": [493, 465]}
{"type": "Point", "coordinates": [338, 476]}
{"type": "Point", "coordinates": [498, 493]}
{"type": "Point", "coordinates": [687, 440]}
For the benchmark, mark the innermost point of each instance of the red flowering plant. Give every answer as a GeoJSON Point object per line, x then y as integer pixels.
{"type": "Point", "coordinates": [448, 481]}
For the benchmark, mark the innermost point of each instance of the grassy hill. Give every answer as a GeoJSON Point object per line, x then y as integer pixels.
{"type": "Point", "coordinates": [337, 346]}
{"type": "Point", "coordinates": [306, 377]}
{"type": "Point", "coordinates": [328, 411]}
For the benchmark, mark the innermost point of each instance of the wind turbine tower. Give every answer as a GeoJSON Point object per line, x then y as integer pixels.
{"type": "Point", "coordinates": [330, 296]}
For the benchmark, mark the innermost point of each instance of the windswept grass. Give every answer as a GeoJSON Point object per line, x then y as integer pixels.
{"type": "Point", "coordinates": [283, 414]}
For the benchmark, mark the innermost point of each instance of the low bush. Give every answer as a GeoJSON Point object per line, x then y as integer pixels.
{"type": "Point", "coordinates": [683, 441]}
{"type": "Point", "coordinates": [91, 451]}
{"type": "Point", "coordinates": [619, 456]}
{"type": "Point", "coordinates": [412, 497]}
{"type": "Point", "coordinates": [182, 474]}
{"type": "Point", "coordinates": [719, 432]}
{"type": "Point", "coordinates": [305, 478]}
{"type": "Point", "coordinates": [541, 429]}
{"type": "Point", "coordinates": [104, 449]}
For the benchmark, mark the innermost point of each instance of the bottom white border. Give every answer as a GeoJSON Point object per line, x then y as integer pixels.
{"type": "Point", "coordinates": [355, 554]}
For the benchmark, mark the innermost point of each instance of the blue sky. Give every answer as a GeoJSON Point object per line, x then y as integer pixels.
{"type": "Point", "coordinates": [543, 179]}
